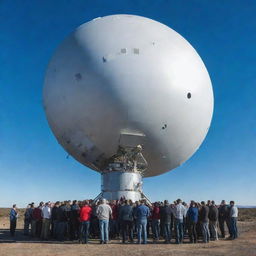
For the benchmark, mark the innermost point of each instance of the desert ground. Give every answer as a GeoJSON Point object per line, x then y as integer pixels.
{"type": "Point", "coordinates": [245, 245]}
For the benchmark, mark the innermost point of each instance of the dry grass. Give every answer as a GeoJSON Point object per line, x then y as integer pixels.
{"type": "Point", "coordinates": [247, 214]}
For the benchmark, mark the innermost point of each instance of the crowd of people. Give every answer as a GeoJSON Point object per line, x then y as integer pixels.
{"type": "Point", "coordinates": [123, 219]}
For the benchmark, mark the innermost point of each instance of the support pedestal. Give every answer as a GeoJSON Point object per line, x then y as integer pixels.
{"type": "Point", "coordinates": [117, 184]}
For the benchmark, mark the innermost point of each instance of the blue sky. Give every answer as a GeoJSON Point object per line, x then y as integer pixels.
{"type": "Point", "coordinates": [34, 167]}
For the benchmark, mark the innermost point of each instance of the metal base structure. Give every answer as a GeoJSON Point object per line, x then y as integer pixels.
{"type": "Point", "coordinates": [121, 184]}
{"type": "Point", "coordinates": [123, 177]}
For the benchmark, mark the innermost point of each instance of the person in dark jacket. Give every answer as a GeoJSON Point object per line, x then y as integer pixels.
{"type": "Point", "coordinates": [165, 214]}
{"type": "Point", "coordinates": [126, 219]}
{"type": "Point", "coordinates": [204, 221]}
{"type": "Point", "coordinates": [54, 219]}
{"type": "Point", "coordinates": [223, 217]}
{"type": "Point", "coordinates": [74, 221]}
{"type": "Point", "coordinates": [28, 218]}
{"type": "Point", "coordinates": [13, 219]}
{"type": "Point", "coordinates": [213, 220]}
{"type": "Point", "coordinates": [63, 218]}
{"type": "Point", "coordinates": [94, 222]}
{"type": "Point", "coordinates": [192, 218]}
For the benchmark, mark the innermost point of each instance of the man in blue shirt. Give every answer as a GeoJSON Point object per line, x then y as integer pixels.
{"type": "Point", "coordinates": [141, 214]}
{"type": "Point", "coordinates": [192, 217]}
{"type": "Point", "coordinates": [13, 220]}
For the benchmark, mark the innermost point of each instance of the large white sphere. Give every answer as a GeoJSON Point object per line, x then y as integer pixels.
{"type": "Point", "coordinates": [121, 75]}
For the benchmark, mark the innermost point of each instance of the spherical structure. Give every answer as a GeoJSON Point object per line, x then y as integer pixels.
{"type": "Point", "coordinates": [128, 80]}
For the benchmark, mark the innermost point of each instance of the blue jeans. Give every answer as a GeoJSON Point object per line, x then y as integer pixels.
{"type": "Point", "coordinates": [84, 233]}
{"type": "Point", "coordinates": [156, 228]}
{"type": "Point", "coordinates": [167, 232]}
{"type": "Point", "coordinates": [103, 230]}
{"type": "Point", "coordinates": [179, 230]}
{"type": "Point", "coordinates": [142, 230]}
{"type": "Point", "coordinates": [233, 227]}
{"type": "Point", "coordinates": [205, 232]}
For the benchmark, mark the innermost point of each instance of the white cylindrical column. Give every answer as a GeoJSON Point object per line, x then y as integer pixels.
{"type": "Point", "coordinates": [117, 184]}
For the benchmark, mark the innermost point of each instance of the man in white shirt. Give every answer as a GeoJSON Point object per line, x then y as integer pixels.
{"type": "Point", "coordinates": [233, 220]}
{"type": "Point", "coordinates": [46, 214]}
{"type": "Point", "coordinates": [179, 212]}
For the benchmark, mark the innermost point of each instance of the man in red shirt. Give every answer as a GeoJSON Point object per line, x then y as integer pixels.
{"type": "Point", "coordinates": [37, 221]}
{"type": "Point", "coordinates": [156, 221]}
{"type": "Point", "coordinates": [85, 217]}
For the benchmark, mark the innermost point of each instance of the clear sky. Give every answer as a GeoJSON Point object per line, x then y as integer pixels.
{"type": "Point", "coordinates": [34, 167]}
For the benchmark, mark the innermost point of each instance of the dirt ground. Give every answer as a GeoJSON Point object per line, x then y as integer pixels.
{"type": "Point", "coordinates": [245, 245]}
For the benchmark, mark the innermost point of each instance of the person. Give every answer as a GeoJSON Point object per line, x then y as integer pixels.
{"type": "Point", "coordinates": [62, 219]}
{"type": "Point", "coordinates": [142, 213]}
{"type": "Point", "coordinates": [46, 222]}
{"type": "Point", "coordinates": [28, 218]}
{"type": "Point", "coordinates": [156, 222]}
{"type": "Point", "coordinates": [223, 217]}
{"type": "Point", "coordinates": [85, 217]}
{"type": "Point", "coordinates": [104, 213]}
{"type": "Point", "coordinates": [74, 220]}
{"type": "Point", "coordinates": [54, 219]}
{"type": "Point", "coordinates": [126, 219]}
{"type": "Point", "coordinates": [113, 222]}
{"type": "Point", "coordinates": [208, 203]}
{"type": "Point", "coordinates": [233, 220]}
{"type": "Point", "coordinates": [192, 218]}
{"type": "Point", "coordinates": [161, 205]}
{"type": "Point", "coordinates": [166, 219]}
{"type": "Point", "coordinates": [135, 221]}
{"type": "Point", "coordinates": [179, 212]}
{"type": "Point", "coordinates": [213, 220]}
{"type": "Point", "coordinates": [69, 224]}
{"type": "Point", "coordinates": [13, 220]}
{"type": "Point", "coordinates": [36, 226]}
{"type": "Point", "coordinates": [185, 224]}
{"type": "Point", "coordinates": [33, 224]}
{"type": "Point", "coordinates": [204, 220]}
{"type": "Point", "coordinates": [94, 222]}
